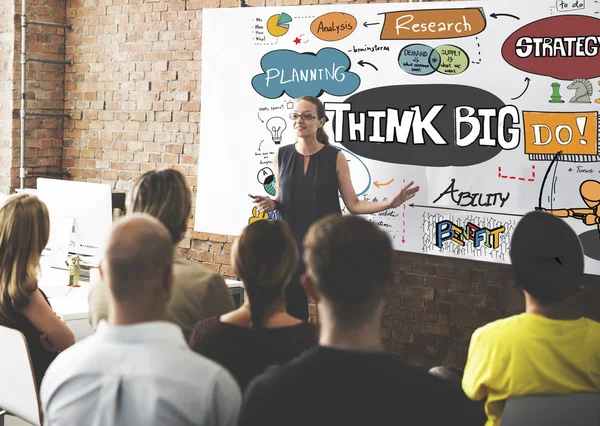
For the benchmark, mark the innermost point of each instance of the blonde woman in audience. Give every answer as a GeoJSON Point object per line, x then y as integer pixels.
{"type": "Point", "coordinates": [24, 232]}
{"type": "Point", "coordinates": [197, 292]}
{"type": "Point", "coordinates": [261, 332]}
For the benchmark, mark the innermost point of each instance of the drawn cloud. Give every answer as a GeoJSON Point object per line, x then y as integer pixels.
{"type": "Point", "coordinates": [305, 74]}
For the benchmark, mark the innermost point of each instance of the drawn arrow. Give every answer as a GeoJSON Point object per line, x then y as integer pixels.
{"type": "Point", "coordinates": [495, 15]}
{"type": "Point", "coordinates": [367, 25]}
{"type": "Point", "coordinates": [554, 160]}
{"type": "Point", "coordinates": [260, 144]}
{"type": "Point", "coordinates": [258, 114]}
{"type": "Point", "coordinates": [527, 80]}
{"type": "Point", "coordinates": [379, 185]}
{"type": "Point", "coordinates": [362, 64]}
{"type": "Point", "coordinates": [463, 210]}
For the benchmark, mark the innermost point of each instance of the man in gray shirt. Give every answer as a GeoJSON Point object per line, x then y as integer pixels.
{"type": "Point", "coordinates": [137, 368]}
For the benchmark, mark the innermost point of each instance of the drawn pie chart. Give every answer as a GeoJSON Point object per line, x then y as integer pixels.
{"type": "Point", "coordinates": [279, 24]}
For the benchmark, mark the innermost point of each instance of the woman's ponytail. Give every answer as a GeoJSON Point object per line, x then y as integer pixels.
{"type": "Point", "coordinates": [257, 304]}
{"type": "Point", "coordinates": [322, 136]}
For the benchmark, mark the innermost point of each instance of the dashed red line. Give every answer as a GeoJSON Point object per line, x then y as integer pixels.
{"type": "Point", "coordinates": [403, 221]}
{"type": "Point", "coordinates": [528, 179]}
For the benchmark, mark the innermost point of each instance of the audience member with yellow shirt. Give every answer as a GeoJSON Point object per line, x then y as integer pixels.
{"type": "Point", "coordinates": [545, 350]}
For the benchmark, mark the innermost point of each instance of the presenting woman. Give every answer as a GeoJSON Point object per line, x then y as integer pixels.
{"type": "Point", "coordinates": [309, 175]}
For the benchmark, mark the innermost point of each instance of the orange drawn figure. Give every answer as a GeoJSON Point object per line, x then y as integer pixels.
{"type": "Point", "coordinates": [590, 193]}
{"type": "Point", "coordinates": [256, 215]}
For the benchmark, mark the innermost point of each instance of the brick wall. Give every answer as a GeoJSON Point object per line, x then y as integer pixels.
{"type": "Point", "coordinates": [6, 90]}
{"type": "Point", "coordinates": [44, 91]}
{"type": "Point", "coordinates": [134, 92]}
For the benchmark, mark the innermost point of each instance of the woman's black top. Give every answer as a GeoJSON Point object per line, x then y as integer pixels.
{"type": "Point", "coordinates": [40, 357]}
{"type": "Point", "coordinates": [305, 198]}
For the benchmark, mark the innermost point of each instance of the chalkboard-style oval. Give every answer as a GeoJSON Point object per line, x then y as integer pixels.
{"type": "Point", "coordinates": [426, 96]}
{"type": "Point", "coordinates": [570, 47]}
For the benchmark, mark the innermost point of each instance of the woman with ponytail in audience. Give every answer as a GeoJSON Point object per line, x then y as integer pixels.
{"type": "Point", "coordinates": [24, 233]}
{"type": "Point", "coordinates": [260, 333]}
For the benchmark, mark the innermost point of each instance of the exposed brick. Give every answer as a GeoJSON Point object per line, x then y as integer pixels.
{"type": "Point", "coordinates": [438, 330]}
{"type": "Point", "coordinates": [413, 349]}
{"type": "Point", "coordinates": [426, 317]}
{"type": "Point", "coordinates": [463, 287]}
{"type": "Point", "coordinates": [412, 280]}
{"type": "Point", "coordinates": [425, 339]}
{"type": "Point", "coordinates": [448, 271]}
{"type": "Point", "coordinates": [423, 293]}
{"type": "Point", "coordinates": [405, 314]}
{"type": "Point", "coordinates": [445, 296]}
{"type": "Point", "coordinates": [401, 266]}
{"type": "Point", "coordinates": [424, 268]}
{"type": "Point", "coordinates": [464, 312]}
{"type": "Point", "coordinates": [222, 259]}
{"type": "Point", "coordinates": [497, 277]}
{"type": "Point", "coordinates": [413, 327]}
{"type": "Point", "coordinates": [434, 306]}
{"type": "Point", "coordinates": [400, 336]}
{"type": "Point", "coordinates": [414, 304]}
{"type": "Point", "coordinates": [385, 334]}
{"type": "Point", "coordinates": [391, 323]}
{"type": "Point", "coordinates": [514, 299]}
{"type": "Point", "coordinates": [390, 345]}
{"type": "Point", "coordinates": [212, 267]}
{"type": "Point", "coordinates": [470, 299]}
{"type": "Point", "coordinates": [439, 283]}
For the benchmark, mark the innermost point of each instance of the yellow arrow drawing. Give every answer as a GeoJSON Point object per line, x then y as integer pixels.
{"type": "Point", "coordinates": [379, 185]}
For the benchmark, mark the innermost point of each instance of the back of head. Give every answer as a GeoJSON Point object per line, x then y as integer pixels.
{"type": "Point", "coordinates": [24, 232]}
{"type": "Point", "coordinates": [265, 258]}
{"type": "Point", "coordinates": [547, 257]}
{"type": "Point", "coordinates": [137, 260]}
{"type": "Point", "coordinates": [165, 195]}
{"type": "Point", "coordinates": [350, 259]}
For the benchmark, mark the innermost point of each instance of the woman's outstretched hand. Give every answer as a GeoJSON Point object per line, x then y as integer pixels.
{"type": "Point", "coordinates": [265, 204]}
{"type": "Point", "coordinates": [404, 195]}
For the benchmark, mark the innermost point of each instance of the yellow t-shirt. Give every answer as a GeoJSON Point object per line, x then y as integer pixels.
{"type": "Point", "coordinates": [530, 354]}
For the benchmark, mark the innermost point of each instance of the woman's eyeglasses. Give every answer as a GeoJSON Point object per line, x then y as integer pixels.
{"type": "Point", "coordinates": [306, 116]}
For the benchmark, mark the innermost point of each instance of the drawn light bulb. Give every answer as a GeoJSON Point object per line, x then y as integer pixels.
{"type": "Point", "coordinates": [276, 125]}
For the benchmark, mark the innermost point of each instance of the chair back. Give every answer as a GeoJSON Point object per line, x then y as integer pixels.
{"type": "Point", "coordinates": [576, 409]}
{"type": "Point", "coordinates": [18, 390]}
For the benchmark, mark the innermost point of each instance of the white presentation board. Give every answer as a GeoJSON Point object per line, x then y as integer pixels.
{"type": "Point", "coordinates": [491, 107]}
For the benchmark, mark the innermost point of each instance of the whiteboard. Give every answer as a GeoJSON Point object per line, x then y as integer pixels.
{"type": "Point", "coordinates": [490, 107]}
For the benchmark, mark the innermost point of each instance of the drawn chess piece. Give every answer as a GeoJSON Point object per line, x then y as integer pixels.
{"type": "Point", "coordinates": [555, 98]}
{"type": "Point", "coordinates": [74, 271]}
{"type": "Point", "coordinates": [590, 193]}
{"type": "Point", "coordinates": [583, 91]}
{"type": "Point", "coordinates": [598, 100]}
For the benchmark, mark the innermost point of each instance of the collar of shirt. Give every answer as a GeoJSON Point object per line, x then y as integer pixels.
{"type": "Point", "coordinates": [155, 332]}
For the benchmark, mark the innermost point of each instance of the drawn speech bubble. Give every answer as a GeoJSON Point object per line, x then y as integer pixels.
{"type": "Point", "coordinates": [305, 74]}
{"type": "Point", "coordinates": [333, 26]}
{"type": "Point", "coordinates": [563, 47]}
